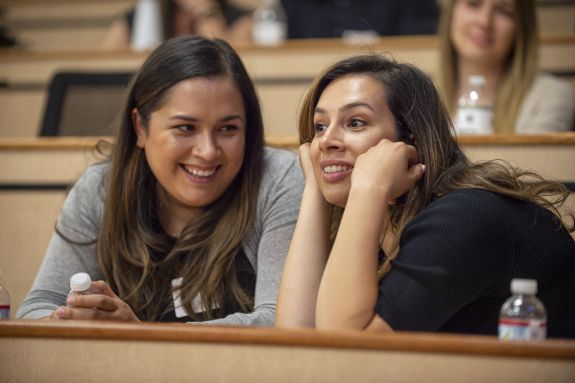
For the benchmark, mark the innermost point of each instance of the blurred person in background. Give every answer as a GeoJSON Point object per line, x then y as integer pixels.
{"type": "Point", "coordinates": [209, 18]}
{"type": "Point", "coordinates": [498, 39]}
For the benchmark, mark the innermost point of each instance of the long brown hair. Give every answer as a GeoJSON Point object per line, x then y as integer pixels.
{"type": "Point", "coordinates": [423, 121]}
{"type": "Point", "coordinates": [137, 258]}
{"type": "Point", "coordinates": [519, 68]}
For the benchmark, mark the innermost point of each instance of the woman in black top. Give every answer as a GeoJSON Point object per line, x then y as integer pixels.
{"type": "Point", "coordinates": [428, 241]}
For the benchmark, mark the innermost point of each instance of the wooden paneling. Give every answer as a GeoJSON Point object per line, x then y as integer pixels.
{"type": "Point", "coordinates": [96, 352]}
{"type": "Point", "coordinates": [281, 74]}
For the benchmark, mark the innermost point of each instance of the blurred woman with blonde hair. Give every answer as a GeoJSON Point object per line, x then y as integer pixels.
{"type": "Point", "coordinates": [498, 40]}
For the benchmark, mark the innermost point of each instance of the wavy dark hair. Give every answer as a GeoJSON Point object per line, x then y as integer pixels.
{"type": "Point", "coordinates": [422, 120]}
{"type": "Point", "coordinates": [137, 258]}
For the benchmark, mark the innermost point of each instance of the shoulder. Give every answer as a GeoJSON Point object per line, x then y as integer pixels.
{"type": "Point", "coordinates": [466, 201]}
{"type": "Point", "coordinates": [93, 177]}
{"type": "Point", "coordinates": [463, 211]}
{"type": "Point", "coordinates": [279, 164]}
{"type": "Point", "coordinates": [546, 84]}
{"type": "Point", "coordinates": [282, 181]}
{"type": "Point", "coordinates": [547, 107]}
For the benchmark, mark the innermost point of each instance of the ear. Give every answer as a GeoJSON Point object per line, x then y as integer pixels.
{"type": "Point", "coordinates": [138, 128]}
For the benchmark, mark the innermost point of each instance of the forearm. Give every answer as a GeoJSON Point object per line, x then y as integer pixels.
{"type": "Point", "coordinates": [262, 316]}
{"type": "Point", "coordinates": [305, 262]}
{"type": "Point", "coordinates": [348, 291]}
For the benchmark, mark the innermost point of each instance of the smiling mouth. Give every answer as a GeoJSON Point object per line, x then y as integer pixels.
{"type": "Point", "coordinates": [200, 173]}
{"type": "Point", "coordinates": [336, 169]}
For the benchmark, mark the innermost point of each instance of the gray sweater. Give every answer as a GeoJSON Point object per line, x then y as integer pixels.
{"type": "Point", "coordinates": [265, 246]}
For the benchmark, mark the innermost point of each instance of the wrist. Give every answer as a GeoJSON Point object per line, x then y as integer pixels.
{"type": "Point", "coordinates": [372, 192]}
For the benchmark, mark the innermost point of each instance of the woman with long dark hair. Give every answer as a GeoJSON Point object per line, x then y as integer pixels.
{"type": "Point", "coordinates": [191, 217]}
{"type": "Point", "coordinates": [398, 230]}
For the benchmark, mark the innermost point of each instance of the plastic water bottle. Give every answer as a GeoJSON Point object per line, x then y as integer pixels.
{"type": "Point", "coordinates": [269, 23]}
{"type": "Point", "coordinates": [523, 316]}
{"type": "Point", "coordinates": [147, 29]}
{"type": "Point", "coordinates": [4, 302]}
{"type": "Point", "coordinates": [474, 112]}
{"type": "Point", "coordinates": [80, 284]}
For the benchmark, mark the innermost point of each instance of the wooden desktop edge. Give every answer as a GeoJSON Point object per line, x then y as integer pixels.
{"type": "Point", "coordinates": [289, 142]}
{"type": "Point", "coordinates": [404, 341]}
{"type": "Point", "coordinates": [383, 42]}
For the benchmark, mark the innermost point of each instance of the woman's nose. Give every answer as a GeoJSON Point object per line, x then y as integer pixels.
{"type": "Point", "coordinates": [332, 138]}
{"type": "Point", "coordinates": [485, 15]}
{"type": "Point", "coordinates": [206, 147]}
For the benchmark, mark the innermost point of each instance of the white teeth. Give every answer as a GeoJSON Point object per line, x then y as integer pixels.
{"type": "Point", "coordinates": [336, 168]}
{"type": "Point", "coordinates": [200, 173]}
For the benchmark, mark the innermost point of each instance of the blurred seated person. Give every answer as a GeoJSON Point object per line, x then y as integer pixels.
{"type": "Point", "coordinates": [498, 39]}
{"type": "Point", "coordinates": [331, 18]}
{"type": "Point", "coordinates": [209, 18]}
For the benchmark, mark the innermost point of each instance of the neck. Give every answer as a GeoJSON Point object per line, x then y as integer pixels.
{"type": "Point", "coordinates": [173, 215]}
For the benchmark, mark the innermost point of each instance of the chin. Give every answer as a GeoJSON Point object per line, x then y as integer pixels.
{"type": "Point", "coordinates": [336, 199]}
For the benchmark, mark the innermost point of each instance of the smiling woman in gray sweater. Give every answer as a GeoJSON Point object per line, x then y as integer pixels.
{"type": "Point", "coordinates": [191, 218]}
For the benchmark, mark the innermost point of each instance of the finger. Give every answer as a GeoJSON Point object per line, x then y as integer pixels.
{"type": "Point", "coordinates": [304, 151]}
{"type": "Point", "coordinates": [74, 313]}
{"type": "Point", "coordinates": [100, 301]}
{"type": "Point", "coordinates": [412, 156]}
{"type": "Point", "coordinates": [103, 288]}
{"type": "Point", "coordinates": [415, 172]}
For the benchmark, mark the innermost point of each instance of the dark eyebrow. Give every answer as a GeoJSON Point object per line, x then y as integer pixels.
{"type": "Point", "coordinates": [194, 119]}
{"type": "Point", "coordinates": [347, 107]}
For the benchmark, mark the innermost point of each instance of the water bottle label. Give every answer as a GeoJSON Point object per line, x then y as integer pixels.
{"type": "Point", "coordinates": [4, 312]}
{"type": "Point", "coordinates": [522, 329]}
{"type": "Point", "coordinates": [269, 33]}
{"type": "Point", "coordinates": [474, 120]}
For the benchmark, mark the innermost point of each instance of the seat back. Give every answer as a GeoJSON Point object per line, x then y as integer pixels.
{"type": "Point", "coordinates": [83, 103]}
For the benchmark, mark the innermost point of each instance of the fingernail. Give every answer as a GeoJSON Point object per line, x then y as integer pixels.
{"type": "Point", "coordinates": [70, 300]}
{"type": "Point", "coordinates": [423, 168]}
{"type": "Point", "coordinates": [61, 311]}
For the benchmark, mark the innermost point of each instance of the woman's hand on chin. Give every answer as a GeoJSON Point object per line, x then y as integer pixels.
{"type": "Point", "coordinates": [388, 168]}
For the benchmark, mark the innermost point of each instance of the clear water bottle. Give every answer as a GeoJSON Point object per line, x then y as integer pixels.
{"type": "Point", "coordinates": [269, 23]}
{"type": "Point", "coordinates": [80, 284]}
{"type": "Point", "coordinates": [474, 112]}
{"type": "Point", "coordinates": [4, 301]}
{"type": "Point", "coordinates": [523, 316]}
{"type": "Point", "coordinates": [147, 28]}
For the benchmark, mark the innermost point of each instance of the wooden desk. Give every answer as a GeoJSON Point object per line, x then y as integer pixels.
{"type": "Point", "coordinates": [281, 74]}
{"type": "Point", "coordinates": [37, 351]}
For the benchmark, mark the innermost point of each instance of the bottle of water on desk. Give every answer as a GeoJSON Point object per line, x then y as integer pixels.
{"type": "Point", "coordinates": [4, 301]}
{"type": "Point", "coordinates": [474, 112]}
{"type": "Point", "coordinates": [269, 23]}
{"type": "Point", "coordinates": [523, 316]}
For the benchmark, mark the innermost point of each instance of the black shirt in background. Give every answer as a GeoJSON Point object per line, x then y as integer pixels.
{"type": "Point", "coordinates": [330, 18]}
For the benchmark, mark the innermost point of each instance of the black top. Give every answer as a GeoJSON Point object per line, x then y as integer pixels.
{"type": "Point", "coordinates": [457, 259]}
{"type": "Point", "coordinates": [246, 276]}
{"type": "Point", "coordinates": [330, 18]}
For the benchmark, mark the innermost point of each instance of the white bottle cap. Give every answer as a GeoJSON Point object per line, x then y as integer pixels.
{"type": "Point", "coordinates": [524, 286]}
{"type": "Point", "coordinates": [477, 80]}
{"type": "Point", "coordinates": [80, 282]}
